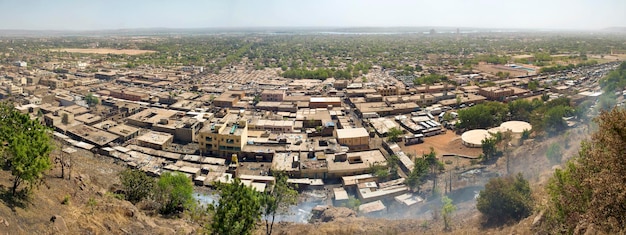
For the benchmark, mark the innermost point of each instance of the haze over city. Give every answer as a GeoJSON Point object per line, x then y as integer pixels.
{"type": "Point", "coordinates": [116, 14]}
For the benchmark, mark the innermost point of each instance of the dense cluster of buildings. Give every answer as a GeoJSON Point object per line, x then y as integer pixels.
{"type": "Point", "coordinates": [213, 127]}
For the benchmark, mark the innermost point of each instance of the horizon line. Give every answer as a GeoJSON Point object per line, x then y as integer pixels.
{"type": "Point", "coordinates": [310, 27]}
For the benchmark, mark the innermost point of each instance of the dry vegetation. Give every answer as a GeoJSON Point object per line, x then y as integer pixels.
{"type": "Point", "coordinates": [81, 205]}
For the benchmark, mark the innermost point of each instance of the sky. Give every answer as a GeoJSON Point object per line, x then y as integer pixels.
{"type": "Point", "coordinates": [132, 14]}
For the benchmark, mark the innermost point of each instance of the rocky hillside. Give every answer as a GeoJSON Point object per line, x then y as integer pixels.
{"type": "Point", "coordinates": [81, 204]}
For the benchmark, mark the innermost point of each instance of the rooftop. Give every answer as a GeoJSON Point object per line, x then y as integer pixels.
{"type": "Point", "coordinates": [352, 133]}
{"type": "Point", "coordinates": [154, 137]}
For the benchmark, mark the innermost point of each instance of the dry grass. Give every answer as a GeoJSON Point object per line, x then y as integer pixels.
{"type": "Point", "coordinates": [91, 177]}
{"type": "Point", "coordinates": [104, 51]}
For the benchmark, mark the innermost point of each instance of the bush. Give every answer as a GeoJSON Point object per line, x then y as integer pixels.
{"type": "Point", "coordinates": [238, 210]}
{"type": "Point", "coordinates": [175, 193]}
{"type": "Point", "coordinates": [554, 153]}
{"type": "Point", "coordinates": [505, 199]}
{"type": "Point", "coordinates": [66, 200]}
{"type": "Point", "coordinates": [136, 185]}
{"type": "Point", "coordinates": [589, 190]}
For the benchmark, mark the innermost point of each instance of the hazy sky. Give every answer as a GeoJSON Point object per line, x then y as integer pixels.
{"type": "Point", "coordinates": [116, 14]}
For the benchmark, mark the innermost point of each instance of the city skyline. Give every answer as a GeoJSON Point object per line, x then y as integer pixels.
{"type": "Point", "coordinates": [115, 14]}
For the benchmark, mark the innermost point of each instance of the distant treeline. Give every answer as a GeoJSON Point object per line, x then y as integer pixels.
{"type": "Point", "coordinates": [317, 73]}
{"type": "Point", "coordinates": [559, 67]}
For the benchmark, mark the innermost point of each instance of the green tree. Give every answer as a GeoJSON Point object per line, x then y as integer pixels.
{"type": "Point", "coordinates": [554, 153]}
{"type": "Point", "coordinates": [589, 190]}
{"type": "Point", "coordinates": [257, 99]}
{"type": "Point", "coordinates": [435, 166]}
{"type": "Point", "coordinates": [393, 135]}
{"type": "Point", "coordinates": [352, 203]}
{"type": "Point", "coordinates": [483, 115]}
{"type": "Point", "coordinates": [65, 119]}
{"type": "Point", "coordinates": [238, 210]}
{"type": "Point", "coordinates": [417, 176]}
{"type": "Point", "coordinates": [174, 192]}
{"type": "Point", "coordinates": [379, 170]}
{"type": "Point", "coordinates": [91, 99]}
{"type": "Point", "coordinates": [533, 85]}
{"type": "Point", "coordinates": [521, 110]}
{"type": "Point", "coordinates": [136, 185]}
{"type": "Point", "coordinates": [447, 208]}
{"type": "Point", "coordinates": [278, 200]}
{"type": "Point", "coordinates": [490, 150]}
{"type": "Point", "coordinates": [505, 199]}
{"type": "Point", "coordinates": [27, 148]}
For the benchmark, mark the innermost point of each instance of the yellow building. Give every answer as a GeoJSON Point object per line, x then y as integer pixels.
{"type": "Point", "coordinates": [223, 139]}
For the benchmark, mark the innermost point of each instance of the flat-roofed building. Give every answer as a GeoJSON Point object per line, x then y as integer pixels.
{"type": "Point", "coordinates": [155, 140]}
{"type": "Point", "coordinates": [282, 126]}
{"type": "Point", "coordinates": [223, 139]}
{"type": "Point", "coordinates": [124, 131]}
{"type": "Point", "coordinates": [65, 100]}
{"type": "Point", "coordinates": [389, 90]}
{"type": "Point", "coordinates": [435, 88]}
{"type": "Point", "coordinates": [148, 117]}
{"type": "Point", "coordinates": [360, 92]}
{"type": "Point", "coordinates": [340, 84]}
{"type": "Point", "coordinates": [88, 118]}
{"type": "Point", "coordinates": [105, 75]}
{"type": "Point", "coordinates": [355, 138]}
{"type": "Point", "coordinates": [495, 93]}
{"type": "Point", "coordinates": [228, 99]}
{"type": "Point", "coordinates": [353, 163]}
{"type": "Point", "coordinates": [324, 102]}
{"type": "Point", "coordinates": [91, 135]}
{"type": "Point", "coordinates": [127, 94]}
{"type": "Point", "coordinates": [273, 95]}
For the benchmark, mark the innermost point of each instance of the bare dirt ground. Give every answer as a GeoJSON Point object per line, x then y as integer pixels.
{"type": "Point", "coordinates": [493, 69]}
{"type": "Point", "coordinates": [104, 51]}
{"type": "Point", "coordinates": [608, 58]}
{"type": "Point", "coordinates": [447, 143]}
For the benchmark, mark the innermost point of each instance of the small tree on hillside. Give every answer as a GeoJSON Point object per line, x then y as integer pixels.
{"type": "Point", "coordinates": [238, 209]}
{"type": "Point", "coordinates": [505, 199]}
{"type": "Point", "coordinates": [278, 201]}
{"type": "Point", "coordinates": [554, 153]}
{"type": "Point", "coordinates": [174, 193]}
{"type": "Point", "coordinates": [27, 148]}
{"type": "Point", "coordinates": [136, 185]}
{"type": "Point", "coordinates": [447, 209]}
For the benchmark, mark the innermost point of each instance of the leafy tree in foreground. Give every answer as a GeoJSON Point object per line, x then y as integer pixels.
{"type": "Point", "coordinates": [278, 201]}
{"type": "Point", "coordinates": [505, 199]}
{"type": "Point", "coordinates": [27, 149]}
{"type": "Point", "coordinates": [238, 209]}
{"type": "Point", "coordinates": [589, 191]}
{"type": "Point", "coordinates": [136, 184]}
{"type": "Point", "coordinates": [174, 192]}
